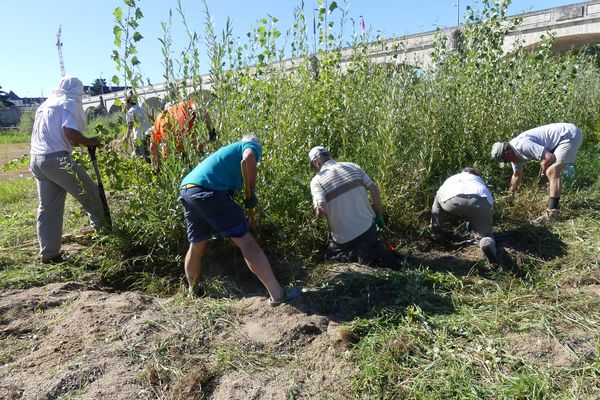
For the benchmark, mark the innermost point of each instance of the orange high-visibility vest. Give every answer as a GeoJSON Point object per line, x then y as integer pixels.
{"type": "Point", "coordinates": [176, 122]}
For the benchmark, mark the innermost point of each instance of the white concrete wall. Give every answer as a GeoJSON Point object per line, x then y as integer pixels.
{"type": "Point", "coordinates": [574, 25]}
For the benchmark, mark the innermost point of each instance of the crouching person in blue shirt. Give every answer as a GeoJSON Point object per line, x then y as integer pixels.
{"type": "Point", "coordinates": [207, 197]}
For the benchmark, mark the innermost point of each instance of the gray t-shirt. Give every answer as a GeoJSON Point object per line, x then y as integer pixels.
{"type": "Point", "coordinates": [530, 145]}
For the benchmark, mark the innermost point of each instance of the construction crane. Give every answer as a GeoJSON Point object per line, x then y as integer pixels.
{"type": "Point", "coordinates": [60, 56]}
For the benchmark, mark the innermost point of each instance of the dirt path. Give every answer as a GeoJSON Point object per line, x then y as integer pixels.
{"type": "Point", "coordinates": [71, 339]}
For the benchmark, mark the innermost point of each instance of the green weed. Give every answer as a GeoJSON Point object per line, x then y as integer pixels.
{"type": "Point", "coordinates": [14, 138]}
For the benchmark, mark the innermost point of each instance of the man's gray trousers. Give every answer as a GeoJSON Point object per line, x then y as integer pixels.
{"type": "Point", "coordinates": [477, 210]}
{"type": "Point", "coordinates": [56, 175]}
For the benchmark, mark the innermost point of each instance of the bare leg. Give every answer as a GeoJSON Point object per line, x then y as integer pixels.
{"type": "Point", "coordinates": [553, 173]}
{"type": "Point", "coordinates": [259, 264]}
{"type": "Point", "coordinates": [193, 262]}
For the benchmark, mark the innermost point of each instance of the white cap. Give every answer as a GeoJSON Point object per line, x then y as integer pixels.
{"type": "Point", "coordinates": [316, 152]}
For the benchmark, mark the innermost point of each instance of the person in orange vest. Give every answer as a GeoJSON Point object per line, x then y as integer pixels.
{"type": "Point", "coordinates": [174, 123]}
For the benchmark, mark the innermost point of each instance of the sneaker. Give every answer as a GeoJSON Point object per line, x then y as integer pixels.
{"type": "Point", "coordinates": [548, 216]}
{"type": "Point", "coordinates": [490, 254]}
{"type": "Point", "coordinates": [288, 294]}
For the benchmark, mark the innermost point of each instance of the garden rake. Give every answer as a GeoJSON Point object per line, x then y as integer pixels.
{"type": "Point", "coordinates": [92, 152]}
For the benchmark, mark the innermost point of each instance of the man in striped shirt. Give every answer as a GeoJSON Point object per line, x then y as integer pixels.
{"type": "Point", "coordinates": [339, 192]}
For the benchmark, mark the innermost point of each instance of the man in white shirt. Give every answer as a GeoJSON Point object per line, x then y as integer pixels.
{"type": "Point", "coordinates": [554, 145]}
{"type": "Point", "coordinates": [466, 195]}
{"type": "Point", "coordinates": [339, 192]}
{"type": "Point", "coordinates": [137, 125]}
{"type": "Point", "coordinates": [58, 125]}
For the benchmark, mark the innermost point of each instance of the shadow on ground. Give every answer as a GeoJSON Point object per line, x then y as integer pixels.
{"type": "Point", "coordinates": [350, 291]}
{"type": "Point", "coordinates": [532, 240]}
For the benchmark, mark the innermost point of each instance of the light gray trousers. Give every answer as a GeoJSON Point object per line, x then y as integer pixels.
{"type": "Point", "coordinates": [477, 210]}
{"type": "Point", "coordinates": [56, 175]}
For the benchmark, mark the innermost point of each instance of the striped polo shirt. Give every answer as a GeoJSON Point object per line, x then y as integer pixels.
{"type": "Point", "coordinates": [341, 188]}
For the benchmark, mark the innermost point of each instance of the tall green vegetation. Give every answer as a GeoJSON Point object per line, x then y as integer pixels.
{"type": "Point", "coordinates": [409, 128]}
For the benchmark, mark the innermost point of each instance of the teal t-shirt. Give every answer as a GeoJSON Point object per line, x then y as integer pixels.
{"type": "Point", "coordinates": [222, 170]}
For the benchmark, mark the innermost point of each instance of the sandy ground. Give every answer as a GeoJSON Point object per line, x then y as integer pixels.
{"type": "Point", "coordinates": [72, 339]}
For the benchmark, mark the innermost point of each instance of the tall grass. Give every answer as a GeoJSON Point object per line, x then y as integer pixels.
{"type": "Point", "coordinates": [408, 128]}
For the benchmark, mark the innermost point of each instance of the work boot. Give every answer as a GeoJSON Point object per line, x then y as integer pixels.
{"type": "Point", "coordinates": [548, 216]}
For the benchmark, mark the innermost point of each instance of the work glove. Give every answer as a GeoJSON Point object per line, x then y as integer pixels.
{"type": "Point", "coordinates": [251, 202]}
{"type": "Point", "coordinates": [379, 223]}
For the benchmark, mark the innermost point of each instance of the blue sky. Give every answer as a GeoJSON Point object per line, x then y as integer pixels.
{"type": "Point", "coordinates": [30, 65]}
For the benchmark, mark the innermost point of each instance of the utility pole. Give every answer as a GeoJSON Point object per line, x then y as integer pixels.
{"type": "Point", "coordinates": [458, 13]}
{"type": "Point", "coordinates": [60, 56]}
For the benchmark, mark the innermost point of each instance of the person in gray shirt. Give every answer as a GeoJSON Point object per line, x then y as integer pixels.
{"type": "Point", "coordinates": [554, 145]}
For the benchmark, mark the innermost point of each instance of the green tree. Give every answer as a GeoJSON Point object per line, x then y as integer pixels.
{"type": "Point", "coordinates": [99, 87]}
{"type": "Point", "coordinates": [3, 96]}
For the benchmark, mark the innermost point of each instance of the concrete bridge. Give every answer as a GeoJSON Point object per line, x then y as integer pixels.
{"type": "Point", "coordinates": [574, 25]}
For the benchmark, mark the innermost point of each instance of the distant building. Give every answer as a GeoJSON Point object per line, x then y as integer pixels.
{"type": "Point", "coordinates": [95, 90]}
{"type": "Point", "coordinates": [14, 106]}
{"type": "Point", "coordinates": [11, 99]}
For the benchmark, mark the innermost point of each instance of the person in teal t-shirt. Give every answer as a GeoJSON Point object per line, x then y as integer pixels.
{"type": "Point", "coordinates": [207, 197]}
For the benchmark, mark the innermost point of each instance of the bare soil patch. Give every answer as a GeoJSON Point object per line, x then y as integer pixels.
{"type": "Point", "coordinates": [564, 349]}
{"type": "Point", "coordinates": [73, 340]}
{"type": "Point", "coordinates": [9, 152]}
{"type": "Point", "coordinates": [70, 339]}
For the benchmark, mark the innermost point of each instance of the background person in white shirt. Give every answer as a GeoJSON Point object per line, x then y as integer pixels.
{"type": "Point", "coordinates": [137, 125]}
{"type": "Point", "coordinates": [339, 192]}
{"type": "Point", "coordinates": [554, 145]}
{"type": "Point", "coordinates": [58, 125]}
{"type": "Point", "coordinates": [466, 195]}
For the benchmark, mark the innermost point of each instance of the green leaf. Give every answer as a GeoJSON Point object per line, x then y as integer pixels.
{"type": "Point", "coordinates": [138, 13]}
{"type": "Point", "coordinates": [129, 3]}
{"type": "Point", "coordinates": [332, 6]}
{"type": "Point", "coordinates": [137, 37]}
{"type": "Point", "coordinates": [118, 13]}
{"type": "Point", "coordinates": [115, 79]}
{"type": "Point", "coordinates": [135, 61]}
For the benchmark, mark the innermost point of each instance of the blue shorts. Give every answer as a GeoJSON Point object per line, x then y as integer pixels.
{"type": "Point", "coordinates": [207, 209]}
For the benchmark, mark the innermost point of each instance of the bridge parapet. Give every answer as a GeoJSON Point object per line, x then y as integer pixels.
{"type": "Point", "coordinates": [574, 25]}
